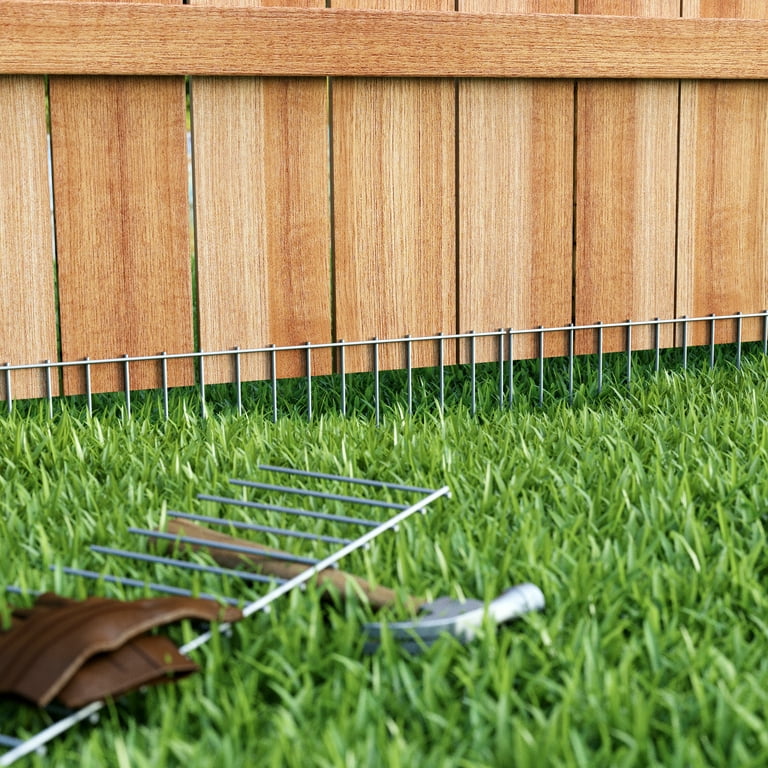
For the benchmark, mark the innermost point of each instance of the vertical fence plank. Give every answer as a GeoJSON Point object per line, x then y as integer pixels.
{"type": "Point", "coordinates": [27, 306]}
{"type": "Point", "coordinates": [122, 225]}
{"type": "Point", "coordinates": [723, 219]}
{"type": "Point", "coordinates": [394, 211]}
{"type": "Point", "coordinates": [262, 215]}
{"type": "Point", "coordinates": [515, 187]}
{"type": "Point", "coordinates": [626, 187]}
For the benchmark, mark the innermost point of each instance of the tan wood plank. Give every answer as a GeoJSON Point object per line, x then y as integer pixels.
{"type": "Point", "coordinates": [394, 214]}
{"type": "Point", "coordinates": [262, 220]}
{"type": "Point", "coordinates": [515, 193]}
{"type": "Point", "coordinates": [626, 188]}
{"type": "Point", "coordinates": [723, 219]}
{"type": "Point", "coordinates": [27, 318]}
{"type": "Point", "coordinates": [122, 226]}
{"type": "Point", "coordinates": [44, 36]}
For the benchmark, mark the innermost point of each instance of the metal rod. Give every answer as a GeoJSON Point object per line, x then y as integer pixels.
{"type": "Point", "coordinates": [9, 741]}
{"type": "Point", "coordinates": [124, 581]}
{"type": "Point", "coordinates": [309, 380]}
{"type": "Point", "coordinates": [501, 368]}
{"type": "Point", "coordinates": [541, 365]}
{"type": "Point", "coordinates": [656, 345]}
{"type": "Point", "coordinates": [685, 343]}
{"type": "Point", "coordinates": [600, 360]}
{"type": "Point", "coordinates": [238, 382]}
{"type": "Point", "coordinates": [409, 373]}
{"type": "Point", "coordinates": [49, 388]}
{"type": "Point", "coordinates": [345, 479]}
{"type": "Point", "coordinates": [376, 382]}
{"type": "Point", "coordinates": [8, 395]}
{"type": "Point", "coordinates": [287, 510]}
{"type": "Point", "coordinates": [164, 376]}
{"type": "Point", "coordinates": [88, 392]}
{"type": "Point", "coordinates": [441, 368]}
{"type": "Point", "coordinates": [248, 550]}
{"type": "Point", "coordinates": [739, 330]}
{"type": "Point", "coordinates": [712, 341]}
{"type": "Point", "coordinates": [203, 410]}
{"type": "Point", "coordinates": [629, 353]}
{"type": "Point", "coordinates": [765, 332]}
{"type": "Point", "coordinates": [511, 366]}
{"type": "Point", "coordinates": [571, 352]}
{"type": "Point", "coordinates": [127, 386]}
{"type": "Point", "coordinates": [186, 565]}
{"type": "Point", "coordinates": [260, 528]}
{"type": "Point", "coordinates": [317, 494]}
{"type": "Point", "coordinates": [473, 374]}
{"type": "Point", "coordinates": [273, 375]}
{"type": "Point", "coordinates": [343, 382]}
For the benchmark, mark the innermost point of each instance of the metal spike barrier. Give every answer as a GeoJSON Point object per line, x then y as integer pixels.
{"type": "Point", "coordinates": [17, 747]}
{"type": "Point", "coordinates": [340, 378]}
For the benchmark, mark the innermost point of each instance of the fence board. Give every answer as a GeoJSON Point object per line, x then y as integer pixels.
{"type": "Point", "coordinates": [27, 318]}
{"type": "Point", "coordinates": [515, 187]}
{"type": "Point", "coordinates": [723, 261]}
{"type": "Point", "coordinates": [394, 212]}
{"type": "Point", "coordinates": [122, 226]}
{"type": "Point", "coordinates": [626, 187]}
{"type": "Point", "coordinates": [262, 219]}
{"type": "Point", "coordinates": [60, 38]}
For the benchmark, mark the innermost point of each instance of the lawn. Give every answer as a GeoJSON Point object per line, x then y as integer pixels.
{"type": "Point", "coordinates": [639, 512]}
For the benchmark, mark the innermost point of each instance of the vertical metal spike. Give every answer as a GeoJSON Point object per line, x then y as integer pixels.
{"type": "Point", "coordinates": [511, 366]}
{"type": "Point", "coordinates": [739, 330]}
{"type": "Point", "coordinates": [8, 395]}
{"type": "Point", "coordinates": [203, 409]}
{"type": "Point", "coordinates": [376, 381]}
{"type": "Point", "coordinates": [541, 365]}
{"type": "Point", "coordinates": [629, 352]}
{"type": "Point", "coordinates": [49, 388]}
{"type": "Point", "coordinates": [712, 341]}
{"type": "Point", "coordinates": [343, 377]}
{"type": "Point", "coordinates": [473, 373]}
{"type": "Point", "coordinates": [571, 352]}
{"type": "Point", "coordinates": [685, 343]}
{"type": "Point", "coordinates": [88, 391]}
{"type": "Point", "coordinates": [164, 376]}
{"type": "Point", "coordinates": [441, 364]}
{"type": "Point", "coordinates": [765, 332]}
{"type": "Point", "coordinates": [409, 371]}
{"type": "Point", "coordinates": [273, 378]}
{"type": "Point", "coordinates": [127, 385]}
{"type": "Point", "coordinates": [238, 382]}
{"type": "Point", "coordinates": [309, 380]}
{"type": "Point", "coordinates": [656, 345]}
{"type": "Point", "coordinates": [501, 368]}
{"type": "Point", "coordinates": [600, 358]}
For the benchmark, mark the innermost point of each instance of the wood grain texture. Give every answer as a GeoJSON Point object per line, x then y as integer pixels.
{"type": "Point", "coordinates": [122, 226]}
{"type": "Point", "coordinates": [626, 189]}
{"type": "Point", "coordinates": [394, 215]}
{"type": "Point", "coordinates": [262, 220]}
{"type": "Point", "coordinates": [65, 38]}
{"type": "Point", "coordinates": [515, 181]}
{"type": "Point", "coordinates": [723, 220]}
{"type": "Point", "coordinates": [27, 318]}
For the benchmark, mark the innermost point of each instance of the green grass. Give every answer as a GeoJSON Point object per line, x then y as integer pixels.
{"type": "Point", "coordinates": [640, 514]}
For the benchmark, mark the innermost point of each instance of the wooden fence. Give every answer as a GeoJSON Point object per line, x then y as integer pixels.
{"type": "Point", "coordinates": [372, 169]}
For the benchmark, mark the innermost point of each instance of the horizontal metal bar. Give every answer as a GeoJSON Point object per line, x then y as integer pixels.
{"type": "Point", "coordinates": [249, 550]}
{"type": "Point", "coordinates": [345, 479]}
{"type": "Point", "coordinates": [184, 564]}
{"type": "Point", "coordinates": [319, 494]}
{"type": "Point", "coordinates": [46, 37]}
{"type": "Point", "coordinates": [367, 343]}
{"type": "Point", "coordinates": [288, 510]}
{"type": "Point", "coordinates": [260, 528]}
{"type": "Point", "coordinates": [9, 741]}
{"type": "Point", "coordinates": [127, 582]}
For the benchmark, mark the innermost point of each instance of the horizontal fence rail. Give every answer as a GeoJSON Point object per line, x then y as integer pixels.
{"type": "Point", "coordinates": [150, 39]}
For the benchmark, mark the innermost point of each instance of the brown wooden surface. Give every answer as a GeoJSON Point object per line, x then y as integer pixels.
{"type": "Point", "coordinates": [262, 217]}
{"type": "Point", "coordinates": [43, 36]}
{"type": "Point", "coordinates": [515, 180]}
{"type": "Point", "coordinates": [122, 226]}
{"type": "Point", "coordinates": [723, 261]}
{"type": "Point", "coordinates": [626, 187]}
{"type": "Point", "coordinates": [394, 213]}
{"type": "Point", "coordinates": [27, 314]}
